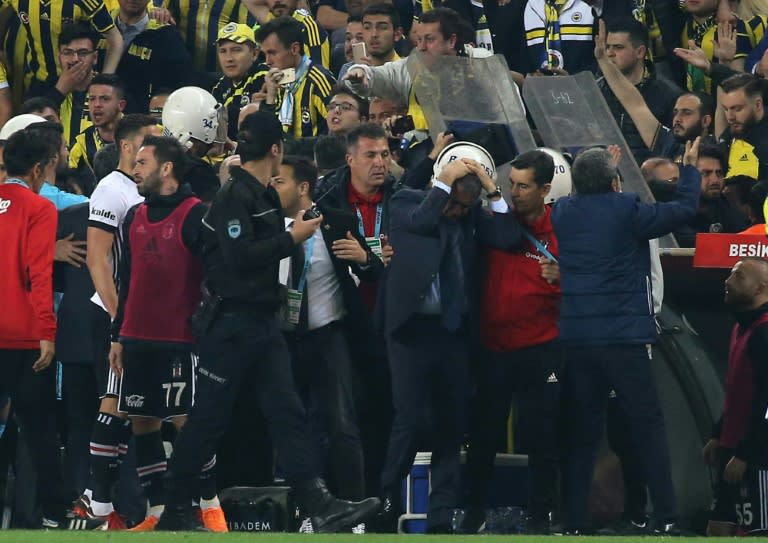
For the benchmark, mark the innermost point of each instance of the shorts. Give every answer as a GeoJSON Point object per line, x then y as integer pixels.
{"type": "Point", "coordinates": [157, 383]}
{"type": "Point", "coordinates": [752, 508]}
{"type": "Point", "coordinates": [107, 381]}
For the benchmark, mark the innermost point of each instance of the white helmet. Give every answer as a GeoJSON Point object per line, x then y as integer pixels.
{"type": "Point", "coordinates": [561, 182]}
{"type": "Point", "coordinates": [464, 149]}
{"type": "Point", "coordinates": [191, 112]}
{"type": "Point", "coordinates": [19, 122]}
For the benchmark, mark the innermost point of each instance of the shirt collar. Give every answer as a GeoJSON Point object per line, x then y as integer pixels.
{"type": "Point", "coordinates": [357, 198]}
{"type": "Point", "coordinates": [16, 181]}
{"type": "Point", "coordinates": [139, 26]}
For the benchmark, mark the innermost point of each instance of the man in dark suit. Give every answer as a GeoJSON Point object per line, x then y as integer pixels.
{"type": "Point", "coordinates": [321, 294]}
{"type": "Point", "coordinates": [429, 297]}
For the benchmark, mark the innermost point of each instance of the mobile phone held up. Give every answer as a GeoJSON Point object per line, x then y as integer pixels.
{"type": "Point", "coordinates": [358, 52]}
{"type": "Point", "coordinates": [402, 125]}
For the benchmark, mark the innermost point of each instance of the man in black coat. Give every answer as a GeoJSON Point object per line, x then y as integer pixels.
{"type": "Point", "coordinates": [322, 295]}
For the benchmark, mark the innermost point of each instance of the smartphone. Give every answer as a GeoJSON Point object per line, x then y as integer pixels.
{"type": "Point", "coordinates": [403, 125]}
{"type": "Point", "coordinates": [358, 52]}
{"type": "Point", "coordinates": [288, 77]}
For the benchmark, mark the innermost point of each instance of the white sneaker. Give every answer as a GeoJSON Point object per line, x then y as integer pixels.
{"type": "Point", "coordinates": [306, 526]}
{"type": "Point", "coordinates": [359, 529]}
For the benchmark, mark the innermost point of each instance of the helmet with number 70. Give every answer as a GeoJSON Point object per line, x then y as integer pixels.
{"type": "Point", "coordinates": [561, 181]}
{"type": "Point", "coordinates": [192, 113]}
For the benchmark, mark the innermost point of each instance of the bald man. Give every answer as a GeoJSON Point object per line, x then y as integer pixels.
{"type": "Point", "coordinates": [739, 443]}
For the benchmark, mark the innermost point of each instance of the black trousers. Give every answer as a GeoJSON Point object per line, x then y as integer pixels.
{"type": "Point", "coordinates": [429, 376]}
{"type": "Point", "coordinates": [80, 393]}
{"type": "Point", "coordinates": [323, 370]}
{"type": "Point", "coordinates": [591, 373]}
{"type": "Point", "coordinates": [235, 344]}
{"type": "Point", "coordinates": [34, 403]}
{"type": "Point", "coordinates": [533, 376]}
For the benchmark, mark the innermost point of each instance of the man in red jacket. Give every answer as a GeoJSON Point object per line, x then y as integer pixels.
{"type": "Point", "coordinates": [518, 329]}
{"type": "Point", "coordinates": [27, 321]}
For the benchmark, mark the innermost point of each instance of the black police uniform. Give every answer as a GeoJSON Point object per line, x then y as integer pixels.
{"type": "Point", "coordinates": [244, 240]}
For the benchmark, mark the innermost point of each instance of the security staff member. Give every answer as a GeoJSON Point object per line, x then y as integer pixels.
{"type": "Point", "coordinates": [244, 240]}
{"type": "Point", "coordinates": [315, 335]}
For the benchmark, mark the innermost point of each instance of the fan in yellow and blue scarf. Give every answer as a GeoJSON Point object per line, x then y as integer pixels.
{"type": "Point", "coordinates": [560, 34]}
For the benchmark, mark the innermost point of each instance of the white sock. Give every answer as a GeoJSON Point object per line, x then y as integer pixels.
{"type": "Point", "coordinates": [101, 509]}
{"type": "Point", "coordinates": [213, 503]}
{"type": "Point", "coordinates": [156, 511]}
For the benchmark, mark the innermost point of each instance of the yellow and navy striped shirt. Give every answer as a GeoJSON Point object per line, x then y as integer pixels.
{"type": "Point", "coordinates": [14, 48]}
{"type": "Point", "coordinates": [199, 22]}
{"type": "Point", "coordinates": [233, 96]}
{"type": "Point", "coordinates": [87, 143]}
{"type": "Point", "coordinates": [748, 35]}
{"type": "Point", "coordinates": [310, 103]}
{"type": "Point", "coordinates": [316, 43]}
{"type": "Point", "coordinates": [74, 115]}
{"type": "Point", "coordinates": [43, 22]}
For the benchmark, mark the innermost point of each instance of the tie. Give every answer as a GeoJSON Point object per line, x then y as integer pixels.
{"type": "Point", "coordinates": [452, 280]}
{"type": "Point", "coordinates": [297, 266]}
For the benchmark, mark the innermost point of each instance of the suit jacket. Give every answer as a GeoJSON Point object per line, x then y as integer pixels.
{"type": "Point", "coordinates": [419, 235]}
{"type": "Point", "coordinates": [336, 224]}
{"type": "Point", "coordinates": [74, 335]}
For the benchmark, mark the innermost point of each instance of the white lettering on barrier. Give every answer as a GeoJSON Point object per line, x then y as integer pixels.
{"type": "Point", "coordinates": [742, 250]}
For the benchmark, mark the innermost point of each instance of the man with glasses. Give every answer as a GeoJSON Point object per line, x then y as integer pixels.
{"type": "Point", "coordinates": [345, 111]}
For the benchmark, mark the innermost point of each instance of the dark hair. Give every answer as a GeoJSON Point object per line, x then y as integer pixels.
{"type": "Point", "coordinates": [330, 152]}
{"type": "Point", "coordinates": [22, 151]}
{"type": "Point", "coordinates": [364, 130]}
{"type": "Point", "coordinates": [131, 124]}
{"type": "Point", "coordinates": [105, 161]}
{"type": "Point", "coordinates": [362, 103]}
{"type": "Point", "coordinates": [541, 163]}
{"type": "Point", "coordinates": [258, 132]}
{"type": "Point", "coordinates": [715, 152]}
{"type": "Point", "coordinates": [38, 103]}
{"type": "Point", "coordinates": [749, 83]}
{"type": "Point", "coordinates": [287, 29]}
{"type": "Point", "coordinates": [355, 19]}
{"type": "Point", "coordinates": [109, 80]}
{"type": "Point", "coordinates": [383, 9]}
{"type": "Point", "coordinates": [78, 31]}
{"type": "Point", "coordinates": [756, 199]}
{"type": "Point", "coordinates": [168, 149]}
{"type": "Point", "coordinates": [707, 104]}
{"type": "Point", "coordinates": [304, 171]}
{"type": "Point", "coordinates": [638, 32]}
{"type": "Point", "coordinates": [593, 171]}
{"type": "Point", "coordinates": [451, 24]}
{"type": "Point", "coordinates": [49, 133]}
{"type": "Point", "coordinates": [469, 184]}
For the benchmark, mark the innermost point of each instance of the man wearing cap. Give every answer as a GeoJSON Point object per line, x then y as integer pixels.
{"type": "Point", "coordinates": [243, 75]}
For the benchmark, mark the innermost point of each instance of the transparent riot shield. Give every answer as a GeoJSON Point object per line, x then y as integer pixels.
{"type": "Point", "coordinates": [570, 114]}
{"type": "Point", "coordinates": [471, 94]}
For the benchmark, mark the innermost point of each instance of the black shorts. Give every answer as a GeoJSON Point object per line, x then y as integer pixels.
{"type": "Point", "coordinates": [157, 383]}
{"type": "Point", "coordinates": [107, 382]}
{"type": "Point", "coordinates": [752, 508]}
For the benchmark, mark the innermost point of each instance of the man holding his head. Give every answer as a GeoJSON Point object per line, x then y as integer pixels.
{"type": "Point", "coordinates": [428, 310]}
{"type": "Point", "coordinates": [607, 321]}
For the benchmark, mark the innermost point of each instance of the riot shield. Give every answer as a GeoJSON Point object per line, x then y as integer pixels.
{"type": "Point", "coordinates": [570, 114]}
{"type": "Point", "coordinates": [473, 96]}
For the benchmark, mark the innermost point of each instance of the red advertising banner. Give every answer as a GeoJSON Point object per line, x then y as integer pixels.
{"type": "Point", "coordinates": [724, 250]}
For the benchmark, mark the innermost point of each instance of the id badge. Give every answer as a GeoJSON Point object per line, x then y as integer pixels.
{"type": "Point", "coordinates": [374, 244]}
{"type": "Point", "coordinates": [294, 305]}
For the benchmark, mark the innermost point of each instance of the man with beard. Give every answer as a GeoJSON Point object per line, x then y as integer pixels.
{"type": "Point", "coordinates": [745, 140]}
{"type": "Point", "coordinates": [152, 343]}
{"type": "Point", "coordinates": [692, 116]}
{"type": "Point", "coordinates": [106, 102]}
{"type": "Point", "coordinates": [715, 214]}
{"type": "Point", "coordinates": [739, 439]}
